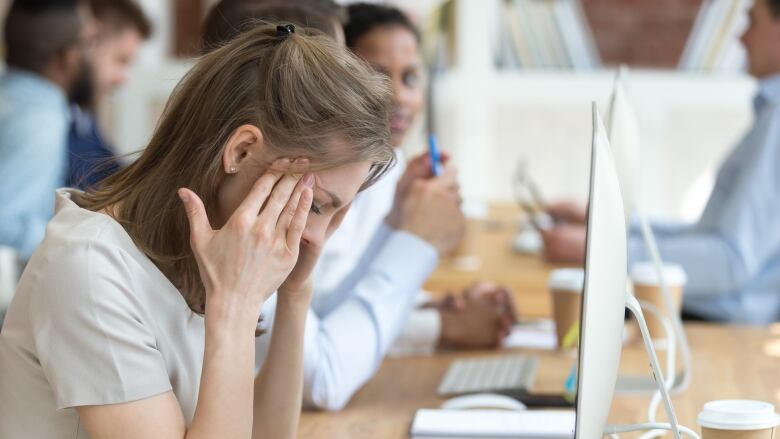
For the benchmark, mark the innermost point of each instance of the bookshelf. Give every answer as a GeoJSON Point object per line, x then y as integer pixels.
{"type": "Point", "coordinates": [545, 34]}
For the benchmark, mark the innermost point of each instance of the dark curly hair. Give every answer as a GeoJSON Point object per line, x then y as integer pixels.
{"type": "Point", "coordinates": [365, 17]}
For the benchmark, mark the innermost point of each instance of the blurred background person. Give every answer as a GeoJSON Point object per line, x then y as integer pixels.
{"type": "Point", "coordinates": [478, 317]}
{"type": "Point", "coordinates": [48, 44]}
{"type": "Point", "coordinates": [732, 253]}
{"type": "Point", "coordinates": [122, 27]}
{"type": "Point", "coordinates": [228, 18]}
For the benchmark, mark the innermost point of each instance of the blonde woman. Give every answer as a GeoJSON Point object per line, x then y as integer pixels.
{"type": "Point", "coordinates": [371, 270]}
{"type": "Point", "coordinates": [137, 315]}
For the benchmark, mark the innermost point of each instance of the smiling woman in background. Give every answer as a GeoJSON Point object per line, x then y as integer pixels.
{"type": "Point", "coordinates": [136, 317]}
{"type": "Point", "coordinates": [480, 316]}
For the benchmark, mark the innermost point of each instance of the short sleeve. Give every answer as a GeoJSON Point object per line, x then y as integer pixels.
{"type": "Point", "coordinates": [92, 335]}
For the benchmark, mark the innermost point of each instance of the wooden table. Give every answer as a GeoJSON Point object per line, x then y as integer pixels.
{"type": "Point", "coordinates": [729, 361]}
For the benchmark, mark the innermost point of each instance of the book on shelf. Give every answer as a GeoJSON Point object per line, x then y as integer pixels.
{"type": "Point", "coordinates": [439, 35]}
{"type": "Point", "coordinates": [545, 34]}
{"type": "Point", "coordinates": [713, 44]}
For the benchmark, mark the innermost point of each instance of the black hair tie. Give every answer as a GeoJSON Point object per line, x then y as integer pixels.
{"type": "Point", "coordinates": [285, 30]}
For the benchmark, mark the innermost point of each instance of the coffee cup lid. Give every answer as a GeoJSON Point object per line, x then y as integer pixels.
{"type": "Point", "coordinates": [645, 273]}
{"type": "Point", "coordinates": [567, 279]}
{"type": "Point", "coordinates": [738, 414]}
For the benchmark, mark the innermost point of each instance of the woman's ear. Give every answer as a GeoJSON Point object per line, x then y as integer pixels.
{"type": "Point", "coordinates": [246, 142]}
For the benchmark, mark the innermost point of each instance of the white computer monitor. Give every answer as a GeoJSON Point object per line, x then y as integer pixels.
{"type": "Point", "coordinates": [604, 295]}
{"type": "Point", "coordinates": [622, 126]}
{"type": "Point", "coordinates": [623, 133]}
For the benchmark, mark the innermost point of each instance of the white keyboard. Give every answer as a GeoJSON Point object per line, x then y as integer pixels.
{"type": "Point", "coordinates": [489, 374]}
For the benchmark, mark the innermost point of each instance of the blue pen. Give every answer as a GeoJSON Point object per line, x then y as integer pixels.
{"type": "Point", "coordinates": [433, 152]}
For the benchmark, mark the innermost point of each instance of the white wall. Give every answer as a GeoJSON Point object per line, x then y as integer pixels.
{"type": "Point", "coordinates": [688, 123]}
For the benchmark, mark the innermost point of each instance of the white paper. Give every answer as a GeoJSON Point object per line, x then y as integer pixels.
{"type": "Point", "coordinates": [434, 423]}
{"type": "Point", "coordinates": [539, 334]}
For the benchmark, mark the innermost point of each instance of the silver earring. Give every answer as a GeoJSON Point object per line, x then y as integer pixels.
{"type": "Point", "coordinates": [232, 169]}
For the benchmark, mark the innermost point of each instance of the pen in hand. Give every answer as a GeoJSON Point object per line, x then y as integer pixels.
{"type": "Point", "coordinates": [433, 152]}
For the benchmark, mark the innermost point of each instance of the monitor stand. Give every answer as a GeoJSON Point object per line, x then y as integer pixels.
{"type": "Point", "coordinates": [642, 384]}
{"type": "Point", "coordinates": [629, 384]}
{"type": "Point", "coordinates": [632, 304]}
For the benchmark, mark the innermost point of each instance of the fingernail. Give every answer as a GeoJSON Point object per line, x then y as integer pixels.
{"type": "Point", "coordinates": [308, 180]}
{"type": "Point", "coordinates": [183, 195]}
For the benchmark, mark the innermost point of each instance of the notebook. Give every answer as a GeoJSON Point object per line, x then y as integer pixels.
{"type": "Point", "coordinates": [493, 424]}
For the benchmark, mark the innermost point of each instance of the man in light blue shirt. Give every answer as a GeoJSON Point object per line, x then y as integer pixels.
{"type": "Point", "coordinates": [47, 45]}
{"type": "Point", "coordinates": [732, 254]}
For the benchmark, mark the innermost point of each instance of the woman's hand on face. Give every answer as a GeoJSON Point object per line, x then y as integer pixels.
{"type": "Point", "coordinates": [299, 281]}
{"type": "Point", "coordinates": [248, 258]}
{"type": "Point", "coordinates": [298, 285]}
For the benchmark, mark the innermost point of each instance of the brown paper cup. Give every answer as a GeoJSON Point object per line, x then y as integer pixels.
{"type": "Point", "coordinates": [566, 290]}
{"type": "Point", "coordinates": [647, 288]}
{"type": "Point", "coordinates": [653, 295]}
{"type": "Point", "coordinates": [712, 433]}
{"type": "Point", "coordinates": [566, 311]}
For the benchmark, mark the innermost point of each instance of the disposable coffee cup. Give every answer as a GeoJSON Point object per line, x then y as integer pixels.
{"type": "Point", "coordinates": [647, 288]}
{"type": "Point", "coordinates": [566, 286]}
{"type": "Point", "coordinates": [738, 419]}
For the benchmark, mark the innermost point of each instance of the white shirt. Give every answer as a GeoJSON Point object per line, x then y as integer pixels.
{"type": "Point", "coordinates": [93, 322]}
{"type": "Point", "coordinates": [366, 284]}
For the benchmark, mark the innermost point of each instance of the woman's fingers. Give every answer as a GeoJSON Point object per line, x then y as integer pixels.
{"type": "Point", "coordinates": [298, 222]}
{"type": "Point", "coordinates": [196, 215]}
{"type": "Point", "coordinates": [295, 183]}
{"type": "Point", "coordinates": [278, 199]}
{"type": "Point", "coordinates": [450, 177]}
{"type": "Point", "coordinates": [254, 200]}
{"type": "Point", "coordinates": [292, 206]}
